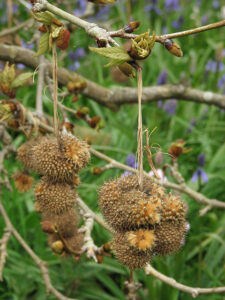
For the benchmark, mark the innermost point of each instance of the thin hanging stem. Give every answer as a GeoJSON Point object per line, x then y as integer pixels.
{"type": "Point", "coordinates": [140, 142]}
{"type": "Point", "coordinates": [55, 91]}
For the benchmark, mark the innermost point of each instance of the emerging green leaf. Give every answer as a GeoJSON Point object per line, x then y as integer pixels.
{"type": "Point", "coordinates": [118, 55]}
{"type": "Point", "coordinates": [21, 79]}
{"type": "Point", "coordinates": [43, 44]}
{"type": "Point", "coordinates": [44, 17]}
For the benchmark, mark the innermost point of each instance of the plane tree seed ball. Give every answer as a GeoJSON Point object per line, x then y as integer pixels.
{"type": "Point", "coordinates": [126, 207]}
{"type": "Point", "coordinates": [60, 160]}
{"type": "Point", "coordinates": [24, 153]}
{"type": "Point", "coordinates": [65, 223]}
{"type": "Point", "coordinates": [173, 208]}
{"type": "Point", "coordinates": [169, 237]}
{"type": "Point", "coordinates": [128, 255]}
{"type": "Point", "coordinates": [141, 239]}
{"type": "Point", "coordinates": [54, 198]}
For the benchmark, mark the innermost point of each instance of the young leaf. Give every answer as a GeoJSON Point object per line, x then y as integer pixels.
{"type": "Point", "coordinates": [21, 79]}
{"type": "Point", "coordinates": [44, 17]}
{"type": "Point", "coordinates": [118, 55]}
{"type": "Point", "coordinates": [43, 44]}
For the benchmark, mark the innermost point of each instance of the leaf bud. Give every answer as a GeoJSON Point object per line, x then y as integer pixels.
{"type": "Point", "coordinates": [63, 40]}
{"type": "Point", "coordinates": [82, 112]}
{"type": "Point", "coordinates": [47, 227]}
{"type": "Point", "coordinates": [178, 148]}
{"type": "Point", "coordinates": [132, 26]}
{"type": "Point", "coordinates": [100, 125]}
{"type": "Point", "coordinates": [142, 46]}
{"type": "Point", "coordinates": [94, 121]}
{"type": "Point", "coordinates": [173, 47]}
{"type": "Point", "coordinates": [42, 28]}
{"type": "Point", "coordinates": [57, 246]}
{"type": "Point", "coordinates": [127, 70]}
{"type": "Point", "coordinates": [96, 171]}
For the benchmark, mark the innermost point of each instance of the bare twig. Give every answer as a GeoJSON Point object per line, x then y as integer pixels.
{"type": "Point", "coordinates": [193, 291]}
{"type": "Point", "coordinates": [97, 218]}
{"type": "Point", "coordinates": [39, 91]}
{"type": "Point", "coordinates": [55, 90]}
{"type": "Point", "coordinates": [16, 28]}
{"type": "Point", "coordinates": [89, 246]}
{"type": "Point", "coordinates": [40, 263]}
{"type": "Point", "coordinates": [3, 249]}
{"type": "Point", "coordinates": [139, 133]}
{"type": "Point", "coordinates": [115, 97]}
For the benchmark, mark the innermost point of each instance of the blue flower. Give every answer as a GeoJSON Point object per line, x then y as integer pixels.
{"type": "Point", "coordinates": [172, 5]}
{"type": "Point", "coordinates": [131, 162]}
{"type": "Point", "coordinates": [177, 24]}
{"type": "Point", "coordinates": [163, 77]}
{"type": "Point", "coordinates": [170, 106]}
{"type": "Point", "coordinates": [214, 66]}
{"type": "Point", "coordinates": [153, 7]}
{"type": "Point", "coordinates": [216, 4]}
{"type": "Point", "coordinates": [81, 8]}
{"type": "Point", "coordinates": [192, 124]}
{"type": "Point", "coordinates": [200, 173]}
{"type": "Point", "coordinates": [221, 82]}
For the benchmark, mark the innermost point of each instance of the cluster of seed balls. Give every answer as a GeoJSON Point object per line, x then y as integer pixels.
{"type": "Point", "coordinates": [145, 222]}
{"type": "Point", "coordinates": [58, 161]}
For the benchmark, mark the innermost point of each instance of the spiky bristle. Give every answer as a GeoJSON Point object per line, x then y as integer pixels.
{"type": "Point", "coordinates": [128, 255]}
{"type": "Point", "coordinates": [54, 198]}
{"type": "Point", "coordinates": [141, 239]}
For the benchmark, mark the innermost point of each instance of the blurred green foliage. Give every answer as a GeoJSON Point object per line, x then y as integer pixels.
{"type": "Point", "coordinates": [201, 262]}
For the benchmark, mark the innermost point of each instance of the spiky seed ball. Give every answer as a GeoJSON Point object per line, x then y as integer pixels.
{"type": "Point", "coordinates": [127, 255]}
{"type": "Point", "coordinates": [73, 243]}
{"type": "Point", "coordinates": [141, 239]}
{"type": "Point", "coordinates": [169, 237]}
{"type": "Point", "coordinates": [126, 207]}
{"type": "Point", "coordinates": [23, 181]}
{"type": "Point", "coordinates": [173, 208]}
{"type": "Point", "coordinates": [65, 223]}
{"type": "Point", "coordinates": [24, 153]}
{"type": "Point", "coordinates": [54, 198]}
{"type": "Point", "coordinates": [59, 160]}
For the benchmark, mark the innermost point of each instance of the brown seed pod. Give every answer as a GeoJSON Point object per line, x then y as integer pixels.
{"type": "Point", "coordinates": [65, 224]}
{"type": "Point", "coordinates": [169, 237]}
{"type": "Point", "coordinates": [59, 161]}
{"type": "Point", "coordinates": [23, 181]}
{"type": "Point", "coordinates": [129, 256]}
{"type": "Point", "coordinates": [24, 153]}
{"type": "Point", "coordinates": [173, 208]}
{"type": "Point", "coordinates": [54, 198]}
{"type": "Point", "coordinates": [126, 207]}
{"type": "Point", "coordinates": [141, 239]}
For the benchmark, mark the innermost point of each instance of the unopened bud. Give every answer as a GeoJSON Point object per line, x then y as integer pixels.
{"type": "Point", "coordinates": [94, 121]}
{"type": "Point", "coordinates": [57, 247]}
{"type": "Point", "coordinates": [100, 258]}
{"type": "Point", "coordinates": [173, 47]}
{"type": "Point", "coordinates": [127, 70]}
{"type": "Point", "coordinates": [47, 227]}
{"type": "Point", "coordinates": [132, 26]}
{"type": "Point", "coordinates": [100, 125]}
{"type": "Point", "coordinates": [42, 28]}
{"type": "Point", "coordinates": [80, 114]}
{"type": "Point", "coordinates": [63, 40]}
{"type": "Point", "coordinates": [96, 171]}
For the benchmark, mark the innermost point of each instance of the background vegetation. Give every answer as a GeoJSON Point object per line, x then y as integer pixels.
{"type": "Point", "coordinates": [201, 262]}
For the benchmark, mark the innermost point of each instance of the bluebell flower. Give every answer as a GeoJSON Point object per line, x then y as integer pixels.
{"type": "Point", "coordinates": [163, 77]}
{"type": "Point", "coordinates": [170, 106]}
{"type": "Point", "coordinates": [205, 19]}
{"type": "Point", "coordinates": [81, 8]}
{"type": "Point", "coordinates": [216, 4]}
{"type": "Point", "coordinates": [78, 54]}
{"type": "Point", "coordinates": [200, 173]}
{"type": "Point", "coordinates": [131, 162]}
{"type": "Point", "coordinates": [15, 7]}
{"type": "Point", "coordinates": [74, 66]}
{"type": "Point", "coordinates": [153, 7]}
{"type": "Point", "coordinates": [20, 66]}
{"type": "Point", "coordinates": [172, 5]}
{"type": "Point", "coordinates": [221, 82]}
{"type": "Point", "coordinates": [192, 124]}
{"type": "Point", "coordinates": [177, 24]}
{"type": "Point", "coordinates": [198, 2]}
{"type": "Point", "coordinates": [28, 46]}
{"type": "Point", "coordinates": [214, 66]}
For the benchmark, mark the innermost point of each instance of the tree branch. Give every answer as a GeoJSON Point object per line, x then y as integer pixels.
{"type": "Point", "coordinates": [3, 249]}
{"type": "Point", "coordinates": [193, 291]}
{"type": "Point", "coordinates": [115, 97]}
{"type": "Point", "coordinates": [40, 263]}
